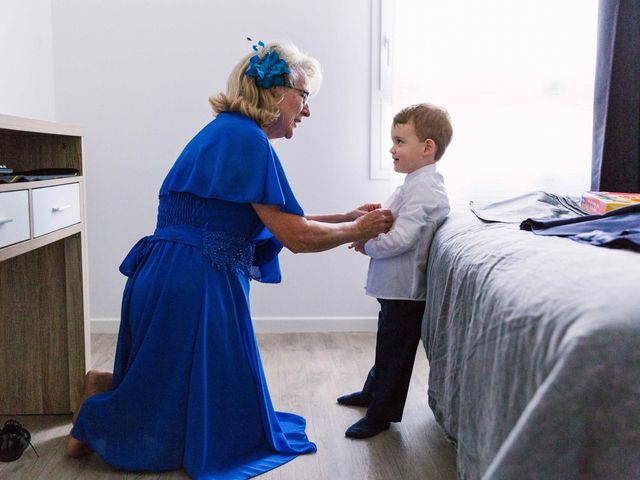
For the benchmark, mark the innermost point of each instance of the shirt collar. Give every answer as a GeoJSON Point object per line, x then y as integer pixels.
{"type": "Point", "coordinates": [420, 171]}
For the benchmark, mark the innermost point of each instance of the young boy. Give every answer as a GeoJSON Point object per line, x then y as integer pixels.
{"type": "Point", "coordinates": [397, 270]}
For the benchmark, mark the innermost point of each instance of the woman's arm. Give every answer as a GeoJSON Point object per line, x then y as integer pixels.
{"type": "Point", "coordinates": [345, 217]}
{"type": "Point", "coordinates": [300, 234]}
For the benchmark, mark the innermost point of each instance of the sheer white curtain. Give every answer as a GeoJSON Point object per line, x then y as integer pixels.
{"type": "Point", "coordinates": [517, 79]}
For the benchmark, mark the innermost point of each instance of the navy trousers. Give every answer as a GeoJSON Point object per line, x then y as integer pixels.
{"type": "Point", "coordinates": [399, 330]}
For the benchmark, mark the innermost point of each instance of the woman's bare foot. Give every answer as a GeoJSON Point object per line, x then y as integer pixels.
{"type": "Point", "coordinates": [77, 449]}
{"type": "Point", "coordinates": [95, 381]}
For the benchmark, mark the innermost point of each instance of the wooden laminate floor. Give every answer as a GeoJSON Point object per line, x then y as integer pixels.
{"type": "Point", "coordinates": [305, 373]}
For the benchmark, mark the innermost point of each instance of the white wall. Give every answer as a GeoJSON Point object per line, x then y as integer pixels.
{"type": "Point", "coordinates": [137, 74]}
{"type": "Point", "coordinates": [26, 59]}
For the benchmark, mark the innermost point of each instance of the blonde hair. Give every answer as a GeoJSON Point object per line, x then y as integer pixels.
{"type": "Point", "coordinates": [260, 104]}
{"type": "Point", "coordinates": [429, 121]}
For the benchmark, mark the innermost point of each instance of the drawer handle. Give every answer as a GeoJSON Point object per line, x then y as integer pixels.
{"type": "Point", "coordinates": [60, 209]}
{"type": "Point", "coordinates": [4, 220]}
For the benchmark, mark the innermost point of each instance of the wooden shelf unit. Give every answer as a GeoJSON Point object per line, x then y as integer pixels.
{"type": "Point", "coordinates": [44, 329]}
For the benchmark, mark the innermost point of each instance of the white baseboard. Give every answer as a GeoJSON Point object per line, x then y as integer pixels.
{"type": "Point", "coordinates": [105, 325]}
{"type": "Point", "coordinates": [276, 324]}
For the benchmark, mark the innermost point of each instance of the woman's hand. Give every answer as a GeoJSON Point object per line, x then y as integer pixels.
{"type": "Point", "coordinates": [375, 222]}
{"type": "Point", "coordinates": [302, 234]}
{"type": "Point", "coordinates": [362, 210]}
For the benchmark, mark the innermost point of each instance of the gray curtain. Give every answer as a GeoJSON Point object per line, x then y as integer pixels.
{"type": "Point", "coordinates": [616, 119]}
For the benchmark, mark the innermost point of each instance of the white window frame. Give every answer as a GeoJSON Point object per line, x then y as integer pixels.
{"type": "Point", "coordinates": [382, 25]}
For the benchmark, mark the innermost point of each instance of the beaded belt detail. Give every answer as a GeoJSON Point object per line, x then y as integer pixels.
{"type": "Point", "coordinates": [227, 250]}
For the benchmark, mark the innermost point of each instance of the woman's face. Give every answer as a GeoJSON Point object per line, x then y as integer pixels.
{"type": "Point", "coordinates": [292, 109]}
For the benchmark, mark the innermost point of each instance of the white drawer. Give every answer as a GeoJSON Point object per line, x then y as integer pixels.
{"type": "Point", "coordinates": [55, 208]}
{"type": "Point", "coordinates": [14, 217]}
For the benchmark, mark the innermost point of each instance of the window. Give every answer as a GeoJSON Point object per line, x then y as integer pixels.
{"type": "Point", "coordinates": [516, 77]}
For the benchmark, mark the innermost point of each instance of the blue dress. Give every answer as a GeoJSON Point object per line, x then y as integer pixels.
{"type": "Point", "coordinates": [188, 387]}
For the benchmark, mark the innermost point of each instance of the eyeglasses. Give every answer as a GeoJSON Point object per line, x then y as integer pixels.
{"type": "Point", "coordinates": [303, 93]}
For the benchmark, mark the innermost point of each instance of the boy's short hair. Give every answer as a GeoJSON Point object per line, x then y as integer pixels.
{"type": "Point", "coordinates": [429, 121]}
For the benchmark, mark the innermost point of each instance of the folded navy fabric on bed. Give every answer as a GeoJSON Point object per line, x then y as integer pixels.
{"type": "Point", "coordinates": [619, 228]}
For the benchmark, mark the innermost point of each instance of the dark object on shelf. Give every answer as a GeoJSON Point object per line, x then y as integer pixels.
{"type": "Point", "coordinates": [14, 439]}
{"type": "Point", "coordinates": [4, 170]}
{"type": "Point", "coordinates": [38, 174]}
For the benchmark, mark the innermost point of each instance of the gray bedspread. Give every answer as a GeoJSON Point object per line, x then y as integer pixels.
{"type": "Point", "coordinates": [534, 352]}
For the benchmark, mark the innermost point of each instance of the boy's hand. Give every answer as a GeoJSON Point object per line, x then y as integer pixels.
{"type": "Point", "coordinates": [362, 210]}
{"type": "Point", "coordinates": [358, 246]}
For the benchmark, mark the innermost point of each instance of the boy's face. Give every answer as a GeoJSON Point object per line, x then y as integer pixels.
{"type": "Point", "coordinates": [408, 152]}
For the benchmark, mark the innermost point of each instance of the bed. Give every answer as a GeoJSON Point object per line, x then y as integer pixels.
{"type": "Point", "coordinates": [534, 352]}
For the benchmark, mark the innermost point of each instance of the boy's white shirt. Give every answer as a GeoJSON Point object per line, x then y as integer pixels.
{"type": "Point", "coordinates": [397, 269]}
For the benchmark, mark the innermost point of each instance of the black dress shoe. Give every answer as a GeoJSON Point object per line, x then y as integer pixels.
{"type": "Point", "coordinates": [356, 399]}
{"type": "Point", "coordinates": [14, 439]}
{"type": "Point", "coordinates": [366, 427]}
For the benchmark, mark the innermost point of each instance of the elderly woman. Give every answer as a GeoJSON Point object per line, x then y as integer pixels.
{"type": "Point", "coordinates": [188, 390]}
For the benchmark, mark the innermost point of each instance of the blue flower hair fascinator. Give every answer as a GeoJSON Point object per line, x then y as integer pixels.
{"type": "Point", "coordinates": [269, 71]}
